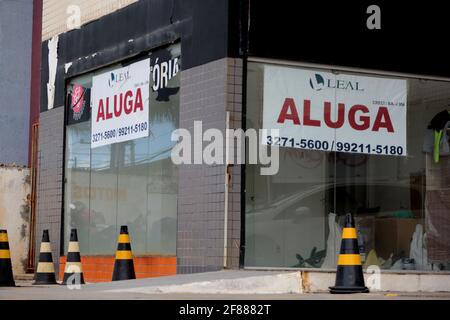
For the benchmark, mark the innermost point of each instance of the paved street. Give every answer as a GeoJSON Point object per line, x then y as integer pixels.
{"type": "Point", "coordinates": [25, 291]}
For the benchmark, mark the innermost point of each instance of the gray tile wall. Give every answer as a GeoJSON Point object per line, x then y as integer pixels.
{"type": "Point", "coordinates": [234, 106]}
{"type": "Point", "coordinates": [207, 93]}
{"type": "Point", "coordinates": [50, 177]}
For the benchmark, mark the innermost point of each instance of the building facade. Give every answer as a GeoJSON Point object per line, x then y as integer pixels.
{"type": "Point", "coordinates": [115, 87]}
{"type": "Point", "coordinates": [20, 42]}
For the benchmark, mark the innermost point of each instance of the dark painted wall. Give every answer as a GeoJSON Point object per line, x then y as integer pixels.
{"type": "Point", "coordinates": [200, 25]}
{"type": "Point", "coordinates": [412, 38]}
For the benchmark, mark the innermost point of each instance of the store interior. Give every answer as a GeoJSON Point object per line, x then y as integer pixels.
{"type": "Point", "coordinates": [401, 204]}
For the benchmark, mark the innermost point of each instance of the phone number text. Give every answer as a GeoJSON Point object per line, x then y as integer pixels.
{"type": "Point", "coordinates": [119, 132]}
{"type": "Point", "coordinates": [323, 145]}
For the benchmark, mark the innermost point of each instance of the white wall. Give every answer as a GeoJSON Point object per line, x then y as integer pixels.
{"type": "Point", "coordinates": [15, 189]}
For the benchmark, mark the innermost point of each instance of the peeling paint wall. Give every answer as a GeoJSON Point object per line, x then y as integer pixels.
{"type": "Point", "coordinates": [52, 64]}
{"type": "Point", "coordinates": [15, 189]}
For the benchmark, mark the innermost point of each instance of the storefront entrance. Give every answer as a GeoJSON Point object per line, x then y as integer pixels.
{"type": "Point", "coordinates": [128, 181]}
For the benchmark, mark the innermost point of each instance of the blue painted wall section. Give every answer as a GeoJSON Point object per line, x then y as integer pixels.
{"type": "Point", "coordinates": [16, 19]}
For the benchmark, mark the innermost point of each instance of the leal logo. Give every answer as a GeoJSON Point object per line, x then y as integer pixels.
{"type": "Point", "coordinates": [78, 102]}
{"type": "Point", "coordinates": [118, 78]}
{"type": "Point", "coordinates": [318, 83]}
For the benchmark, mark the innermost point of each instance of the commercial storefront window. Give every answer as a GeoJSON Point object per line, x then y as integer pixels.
{"type": "Point", "coordinates": [398, 191]}
{"type": "Point", "coordinates": [132, 182]}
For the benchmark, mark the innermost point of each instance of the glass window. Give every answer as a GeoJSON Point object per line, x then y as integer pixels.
{"type": "Point", "coordinates": [400, 204]}
{"type": "Point", "coordinates": [77, 187]}
{"type": "Point", "coordinates": [131, 183]}
{"type": "Point", "coordinates": [285, 213]}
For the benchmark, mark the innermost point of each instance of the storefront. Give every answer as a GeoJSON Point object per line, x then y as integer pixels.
{"type": "Point", "coordinates": [350, 141]}
{"type": "Point", "coordinates": [353, 107]}
{"type": "Point", "coordinates": [353, 137]}
{"type": "Point", "coordinates": [112, 93]}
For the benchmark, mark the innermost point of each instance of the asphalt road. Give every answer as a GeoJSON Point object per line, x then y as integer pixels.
{"type": "Point", "coordinates": [25, 291]}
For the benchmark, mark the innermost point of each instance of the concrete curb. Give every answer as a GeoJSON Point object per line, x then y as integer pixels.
{"type": "Point", "coordinates": [318, 282]}
{"type": "Point", "coordinates": [284, 283]}
{"type": "Point", "coordinates": [297, 283]}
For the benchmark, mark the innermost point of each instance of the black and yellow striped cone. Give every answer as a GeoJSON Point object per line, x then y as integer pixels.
{"type": "Point", "coordinates": [123, 266]}
{"type": "Point", "coordinates": [45, 273]}
{"type": "Point", "coordinates": [73, 272]}
{"type": "Point", "coordinates": [6, 273]}
{"type": "Point", "coordinates": [349, 275]}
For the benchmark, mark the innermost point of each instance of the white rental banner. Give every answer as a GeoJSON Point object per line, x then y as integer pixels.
{"type": "Point", "coordinates": [319, 110]}
{"type": "Point", "coordinates": [120, 104]}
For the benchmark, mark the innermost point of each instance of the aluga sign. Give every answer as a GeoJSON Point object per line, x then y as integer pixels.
{"type": "Point", "coordinates": [345, 113]}
{"type": "Point", "coordinates": [120, 104]}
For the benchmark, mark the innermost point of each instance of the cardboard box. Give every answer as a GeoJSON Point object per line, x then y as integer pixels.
{"type": "Point", "coordinates": [393, 236]}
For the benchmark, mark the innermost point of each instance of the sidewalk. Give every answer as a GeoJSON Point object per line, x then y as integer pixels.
{"type": "Point", "coordinates": [222, 285]}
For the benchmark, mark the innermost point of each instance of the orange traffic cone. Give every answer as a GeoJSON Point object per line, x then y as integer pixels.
{"type": "Point", "coordinates": [123, 266]}
{"type": "Point", "coordinates": [6, 273]}
{"type": "Point", "coordinates": [349, 275]}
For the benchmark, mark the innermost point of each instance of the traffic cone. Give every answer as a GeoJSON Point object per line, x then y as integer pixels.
{"type": "Point", "coordinates": [123, 266]}
{"type": "Point", "coordinates": [73, 262]}
{"type": "Point", "coordinates": [349, 275]}
{"type": "Point", "coordinates": [6, 273]}
{"type": "Point", "coordinates": [45, 273]}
